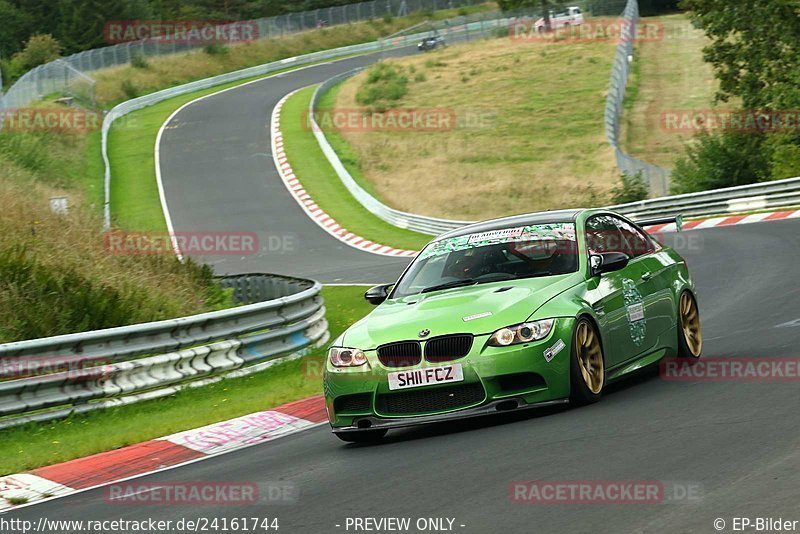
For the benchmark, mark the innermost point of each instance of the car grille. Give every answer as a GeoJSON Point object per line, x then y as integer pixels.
{"type": "Point", "coordinates": [361, 402]}
{"type": "Point", "coordinates": [431, 400]}
{"type": "Point", "coordinates": [400, 354]}
{"type": "Point", "coordinates": [446, 348]}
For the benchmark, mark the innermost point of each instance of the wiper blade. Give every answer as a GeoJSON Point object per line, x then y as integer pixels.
{"type": "Point", "coordinates": [448, 285]}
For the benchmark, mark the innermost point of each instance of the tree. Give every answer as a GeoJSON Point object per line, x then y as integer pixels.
{"type": "Point", "coordinates": [13, 30]}
{"type": "Point", "coordinates": [544, 5]}
{"type": "Point", "coordinates": [38, 50]}
{"type": "Point", "coordinates": [649, 8]}
{"type": "Point", "coordinates": [755, 46]}
{"type": "Point", "coordinates": [82, 22]}
{"type": "Point", "coordinates": [722, 160]}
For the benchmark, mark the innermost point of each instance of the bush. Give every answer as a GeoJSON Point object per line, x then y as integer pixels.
{"type": "Point", "coordinates": [716, 161]}
{"type": "Point", "coordinates": [216, 49]}
{"type": "Point", "coordinates": [57, 158]}
{"type": "Point", "coordinates": [130, 89]}
{"type": "Point", "coordinates": [10, 71]}
{"type": "Point", "coordinates": [53, 300]}
{"type": "Point", "coordinates": [57, 275]}
{"type": "Point", "coordinates": [630, 189]}
{"type": "Point", "coordinates": [384, 84]}
{"type": "Point", "coordinates": [139, 61]}
{"type": "Point", "coordinates": [785, 160]}
{"type": "Point", "coordinates": [39, 49]}
{"type": "Point", "coordinates": [433, 63]}
{"type": "Point", "coordinates": [501, 31]}
{"type": "Point", "coordinates": [29, 150]}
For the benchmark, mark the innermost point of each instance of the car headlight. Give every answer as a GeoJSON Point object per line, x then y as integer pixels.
{"type": "Point", "coordinates": [522, 333]}
{"type": "Point", "coordinates": [346, 357]}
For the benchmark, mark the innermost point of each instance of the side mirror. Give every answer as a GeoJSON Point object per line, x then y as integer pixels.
{"type": "Point", "coordinates": [376, 295]}
{"type": "Point", "coordinates": [608, 262]}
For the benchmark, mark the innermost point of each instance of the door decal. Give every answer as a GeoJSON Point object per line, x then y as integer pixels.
{"type": "Point", "coordinates": [634, 304]}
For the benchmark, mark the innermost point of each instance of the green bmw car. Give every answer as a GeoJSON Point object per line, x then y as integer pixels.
{"type": "Point", "coordinates": [509, 314]}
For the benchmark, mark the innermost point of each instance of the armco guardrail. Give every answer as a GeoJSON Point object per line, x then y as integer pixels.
{"type": "Point", "coordinates": [401, 219]}
{"type": "Point", "coordinates": [744, 198]}
{"type": "Point", "coordinates": [50, 378]}
{"type": "Point", "coordinates": [259, 70]}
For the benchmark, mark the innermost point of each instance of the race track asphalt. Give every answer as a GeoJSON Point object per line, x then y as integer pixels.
{"type": "Point", "coordinates": [736, 444]}
{"type": "Point", "coordinates": [218, 176]}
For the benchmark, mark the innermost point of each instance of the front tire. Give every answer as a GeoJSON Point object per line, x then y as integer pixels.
{"type": "Point", "coordinates": [587, 364]}
{"type": "Point", "coordinates": [690, 333]}
{"type": "Point", "coordinates": [362, 436]}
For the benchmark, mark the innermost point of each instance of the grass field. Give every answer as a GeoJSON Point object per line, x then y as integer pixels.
{"type": "Point", "coordinates": [669, 74]}
{"type": "Point", "coordinates": [32, 446]}
{"type": "Point", "coordinates": [56, 275]}
{"type": "Point", "coordinates": [529, 132]}
{"type": "Point", "coordinates": [321, 182]}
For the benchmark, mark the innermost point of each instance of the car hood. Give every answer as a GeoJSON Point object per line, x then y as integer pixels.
{"type": "Point", "coordinates": [479, 309]}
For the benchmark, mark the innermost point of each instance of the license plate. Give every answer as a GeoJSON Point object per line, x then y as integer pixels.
{"type": "Point", "coordinates": [428, 376]}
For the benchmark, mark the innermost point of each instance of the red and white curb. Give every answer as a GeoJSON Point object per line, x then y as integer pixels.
{"type": "Point", "coordinates": [327, 223]}
{"type": "Point", "coordinates": [727, 220]}
{"type": "Point", "coordinates": [333, 228]}
{"type": "Point", "coordinates": [317, 214]}
{"type": "Point", "coordinates": [160, 454]}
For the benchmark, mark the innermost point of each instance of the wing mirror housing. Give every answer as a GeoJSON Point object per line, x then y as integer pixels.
{"type": "Point", "coordinates": [608, 262]}
{"type": "Point", "coordinates": [376, 295]}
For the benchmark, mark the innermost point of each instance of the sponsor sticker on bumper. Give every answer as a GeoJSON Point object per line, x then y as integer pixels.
{"type": "Point", "coordinates": [425, 377]}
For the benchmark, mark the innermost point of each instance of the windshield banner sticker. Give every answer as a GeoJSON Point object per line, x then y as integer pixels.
{"type": "Point", "coordinates": [496, 234]}
{"type": "Point", "coordinates": [535, 232]}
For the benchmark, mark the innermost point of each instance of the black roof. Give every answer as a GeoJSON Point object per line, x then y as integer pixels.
{"type": "Point", "coordinates": [542, 217]}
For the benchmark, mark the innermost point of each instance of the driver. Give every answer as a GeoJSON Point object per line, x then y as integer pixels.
{"type": "Point", "coordinates": [466, 265]}
{"type": "Point", "coordinates": [541, 255]}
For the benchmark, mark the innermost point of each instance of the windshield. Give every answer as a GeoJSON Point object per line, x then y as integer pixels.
{"type": "Point", "coordinates": [506, 254]}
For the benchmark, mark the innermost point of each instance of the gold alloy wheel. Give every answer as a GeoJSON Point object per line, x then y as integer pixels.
{"type": "Point", "coordinates": [590, 357]}
{"type": "Point", "coordinates": [690, 323]}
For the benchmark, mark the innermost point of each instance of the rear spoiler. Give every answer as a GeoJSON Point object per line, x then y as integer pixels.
{"type": "Point", "coordinates": [678, 220]}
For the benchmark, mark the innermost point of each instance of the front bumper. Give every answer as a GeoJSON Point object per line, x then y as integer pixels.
{"type": "Point", "coordinates": [506, 378]}
{"type": "Point", "coordinates": [493, 407]}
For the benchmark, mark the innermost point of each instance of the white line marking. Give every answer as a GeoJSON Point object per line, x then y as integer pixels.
{"type": "Point", "coordinates": [159, 182]}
